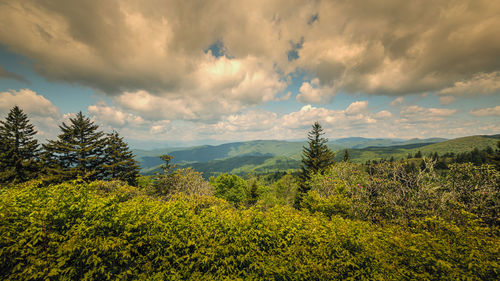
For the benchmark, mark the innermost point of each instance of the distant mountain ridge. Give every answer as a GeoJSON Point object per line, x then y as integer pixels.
{"type": "Point", "coordinates": [262, 156]}
{"type": "Point", "coordinates": [257, 154]}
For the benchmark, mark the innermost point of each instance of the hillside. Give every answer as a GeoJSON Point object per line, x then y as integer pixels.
{"type": "Point", "coordinates": [359, 142]}
{"type": "Point", "coordinates": [207, 153]}
{"type": "Point", "coordinates": [261, 156]}
{"type": "Point", "coordinates": [457, 145]}
{"type": "Point", "coordinates": [462, 144]}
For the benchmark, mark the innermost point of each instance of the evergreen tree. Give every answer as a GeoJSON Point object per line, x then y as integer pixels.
{"type": "Point", "coordinates": [19, 151]}
{"type": "Point", "coordinates": [119, 162]}
{"type": "Point", "coordinates": [346, 155]}
{"type": "Point", "coordinates": [253, 193]}
{"type": "Point", "coordinates": [78, 151]}
{"type": "Point", "coordinates": [315, 157]}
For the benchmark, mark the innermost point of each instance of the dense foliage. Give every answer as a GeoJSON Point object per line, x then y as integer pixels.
{"type": "Point", "coordinates": [389, 193]}
{"type": "Point", "coordinates": [172, 182]}
{"type": "Point", "coordinates": [109, 230]}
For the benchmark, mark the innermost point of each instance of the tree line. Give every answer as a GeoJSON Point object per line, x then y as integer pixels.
{"type": "Point", "coordinates": [81, 151]}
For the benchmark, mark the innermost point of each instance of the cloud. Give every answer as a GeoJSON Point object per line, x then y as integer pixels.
{"type": "Point", "coordinates": [384, 114]}
{"type": "Point", "coordinates": [352, 47]}
{"type": "Point", "coordinates": [4, 73]}
{"type": "Point", "coordinates": [29, 101]}
{"type": "Point", "coordinates": [397, 101]}
{"type": "Point", "coordinates": [113, 116]}
{"type": "Point", "coordinates": [416, 110]}
{"type": "Point", "coordinates": [355, 120]}
{"type": "Point", "coordinates": [218, 87]}
{"type": "Point", "coordinates": [486, 111]}
{"type": "Point", "coordinates": [255, 120]}
{"type": "Point", "coordinates": [44, 115]}
{"type": "Point", "coordinates": [446, 100]}
{"type": "Point", "coordinates": [357, 107]}
{"type": "Point", "coordinates": [361, 48]}
{"type": "Point", "coordinates": [314, 93]}
{"type": "Point", "coordinates": [432, 116]}
{"type": "Point", "coordinates": [480, 84]}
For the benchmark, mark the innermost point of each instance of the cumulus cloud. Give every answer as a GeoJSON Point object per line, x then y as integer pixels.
{"type": "Point", "coordinates": [480, 84]}
{"type": "Point", "coordinates": [359, 47]}
{"type": "Point", "coordinates": [31, 103]}
{"type": "Point", "coordinates": [114, 117]}
{"type": "Point", "coordinates": [162, 49]}
{"type": "Point", "coordinates": [255, 120]}
{"type": "Point", "coordinates": [432, 116]}
{"type": "Point", "coordinates": [416, 110]}
{"type": "Point", "coordinates": [355, 120]}
{"type": "Point", "coordinates": [384, 114]}
{"type": "Point", "coordinates": [486, 111]}
{"type": "Point", "coordinates": [357, 107]}
{"type": "Point", "coordinates": [314, 93]}
{"type": "Point", "coordinates": [44, 115]}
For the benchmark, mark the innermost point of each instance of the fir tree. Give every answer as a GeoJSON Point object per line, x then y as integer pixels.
{"type": "Point", "coordinates": [253, 193]}
{"type": "Point", "coordinates": [77, 152]}
{"type": "Point", "coordinates": [19, 151]}
{"type": "Point", "coordinates": [346, 155]}
{"type": "Point", "coordinates": [119, 162]}
{"type": "Point", "coordinates": [315, 157]}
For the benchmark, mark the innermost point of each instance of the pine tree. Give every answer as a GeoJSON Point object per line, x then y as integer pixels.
{"type": "Point", "coordinates": [346, 155]}
{"type": "Point", "coordinates": [19, 151]}
{"type": "Point", "coordinates": [315, 157]}
{"type": "Point", "coordinates": [119, 162]}
{"type": "Point", "coordinates": [253, 193]}
{"type": "Point", "coordinates": [78, 151]}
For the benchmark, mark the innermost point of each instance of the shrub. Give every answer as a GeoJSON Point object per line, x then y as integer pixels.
{"type": "Point", "coordinates": [78, 231]}
{"type": "Point", "coordinates": [181, 181]}
{"type": "Point", "coordinates": [230, 187]}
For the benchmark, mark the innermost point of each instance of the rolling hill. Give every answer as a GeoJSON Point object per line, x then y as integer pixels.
{"type": "Point", "coordinates": [457, 145]}
{"type": "Point", "coordinates": [262, 156]}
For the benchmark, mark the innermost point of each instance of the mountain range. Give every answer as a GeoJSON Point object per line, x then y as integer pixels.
{"type": "Point", "coordinates": [262, 156]}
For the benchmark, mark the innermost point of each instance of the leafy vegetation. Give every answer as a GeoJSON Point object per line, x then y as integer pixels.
{"type": "Point", "coordinates": [110, 230]}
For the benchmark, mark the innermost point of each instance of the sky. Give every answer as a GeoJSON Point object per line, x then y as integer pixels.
{"type": "Point", "coordinates": [179, 73]}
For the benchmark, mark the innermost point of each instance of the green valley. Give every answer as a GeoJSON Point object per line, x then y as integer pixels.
{"type": "Point", "coordinates": [266, 156]}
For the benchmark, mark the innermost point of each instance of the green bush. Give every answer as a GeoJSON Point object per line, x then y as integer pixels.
{"type": "Point", "coordinates": [391, 193]}
{"type": "Point", "coordinates": [111, 231]}
{"type": "Point", "coordinates": [231, 188]}
{"type": "Point", "coordinates": [181, 181]}
{"type": "Point", "coordinates": [281, 192]}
